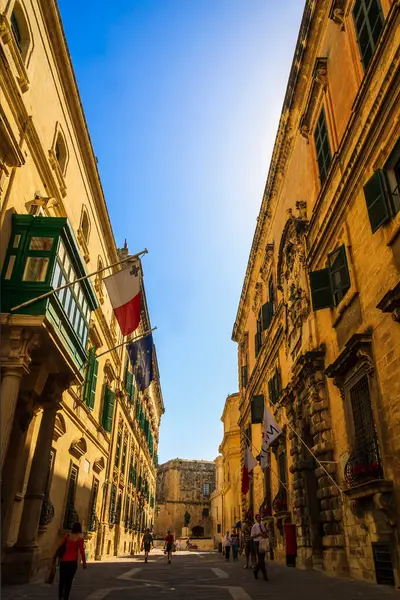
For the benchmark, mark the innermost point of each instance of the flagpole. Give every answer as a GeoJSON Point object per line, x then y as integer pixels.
{"type": "Point", "coordinates": [250, 442]}
{"type": "Point", "coordinates": [139, 337]}
{"type": "Point", "coordinates": [61, 287]}
{"type": "Point", "coordinates": [316, 459]}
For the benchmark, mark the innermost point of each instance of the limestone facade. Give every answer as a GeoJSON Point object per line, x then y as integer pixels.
{"type": "Point", "coordinates": [184, 488]}
{"type": "Point", "coordinates": [230, 452]}
{"type": "Point", "coordinates": [78, 441]}
{"type": "Point", "coordinates": [217, 504]}
{"type": "Point", "coordinates": [318, 326]}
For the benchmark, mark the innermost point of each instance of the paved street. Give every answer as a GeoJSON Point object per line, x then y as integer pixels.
{"type": "Point", "coordinates": [197, 576]}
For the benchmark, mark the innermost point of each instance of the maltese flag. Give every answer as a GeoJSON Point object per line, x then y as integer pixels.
{"type": "Point", "coordinates": [249, 464]}
{"type": "Point", "coordinates": [125, 295]}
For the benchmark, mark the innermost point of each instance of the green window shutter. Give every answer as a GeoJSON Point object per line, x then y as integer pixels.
{"type": "Point", "coordinates": [105, 407]}
{"type": "Point", "coordinates": [146, 427]}
{"type": "Point", "coordinates": [133, 390]}
{"type": "Point", "coordinates": [129, 383]}
{"type": "Point", "coordinates": [257, 409]}
{"type": "Point", "coordinates": [368, 22]}
{"type": "Point", "coordinates": [339, 273]}
{"type": "Point", "coordinates": [377, 200]}
{"type": "Point", "coordinates": [126, 372]}
{"type": "Point", "coordinates": [108, 409]}
{"type": "Point", "coordinates": [138, 409]}
{"type": "Point", "coordinates": [321, 289]}
{"type": "Point", "coordinates": [244, 376]}
{"type": "Point", "coordinates": [93, 385]}
{"type": "Point", "coordinates": [266, 315]}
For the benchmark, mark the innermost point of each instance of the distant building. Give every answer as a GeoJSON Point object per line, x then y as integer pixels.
{"type": "Point", "coordinates": [230, 452]}
{"type": "Point", "coordinates": [184, 487]}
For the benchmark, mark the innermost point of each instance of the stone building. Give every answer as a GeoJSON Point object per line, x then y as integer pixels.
{"type": "Point", "coordinates": [230, 452]}
{"type": "Point", "coordinates": [184, 488]}
{"type": "Point", "coordinates": [216, 503]}
{"type": "Point", "coordinates": [77, 440]}
{"type": "Point", "coordinates": [318, 325]}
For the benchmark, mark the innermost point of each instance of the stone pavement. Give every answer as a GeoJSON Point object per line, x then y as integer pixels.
{"type": "Point", "coordinates": [199, 576]}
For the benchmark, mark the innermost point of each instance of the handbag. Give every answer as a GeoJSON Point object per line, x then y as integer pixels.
{"type": "Point", "coordinates": [51, 575]}
{"type": "Point", "coordinates": [62, 548]}
{"type": "Point", "coordinates": [263, 545]}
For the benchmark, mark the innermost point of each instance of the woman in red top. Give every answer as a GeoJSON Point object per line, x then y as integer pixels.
{"type": "Point", "coordinates": [169, 541]}
{"type": "Point", "coordinates": [67, 552]}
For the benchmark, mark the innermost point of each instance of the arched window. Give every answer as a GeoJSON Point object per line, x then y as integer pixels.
{"type": "Point", "coordinates": [85, 226]}
{"type": "Point", "coordinates": [20, 30]}
{"type": "Point", "coordinates": [60, 151]}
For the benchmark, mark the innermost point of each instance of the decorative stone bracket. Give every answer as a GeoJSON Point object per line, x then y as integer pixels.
{"type": "Point", "coordinates": [78, 448]}
{"type": "Point", "coordinates": [390, 303]}
{"type": "Point", "coordinates": [337, 11]}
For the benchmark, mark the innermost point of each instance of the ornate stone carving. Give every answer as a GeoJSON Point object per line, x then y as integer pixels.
{"type": "Point", "coordinates": [257, 297]}
{"type": "Point", "coordinates": [336, 13]}
{"type": "Point", "coordinates": [292, 278]}
{"type": "Point", "coordinates": [59, 427]}
{"type": "Point", "coordinates": [78, 448]}
{"type": "Point", "coordinates": [265, 267]}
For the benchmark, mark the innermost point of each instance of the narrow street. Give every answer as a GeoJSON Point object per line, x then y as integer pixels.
{"type": "Point", "coordinates": [198, 576]}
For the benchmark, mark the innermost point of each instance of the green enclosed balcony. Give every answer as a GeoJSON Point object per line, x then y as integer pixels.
{"type": "Point", "coordinates": [43, 255]}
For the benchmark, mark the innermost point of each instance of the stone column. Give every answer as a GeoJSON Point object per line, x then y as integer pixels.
{"type": "Point", "coordinates": [10, 385]}
{"type": "Point", "coordinates": [23, 561]}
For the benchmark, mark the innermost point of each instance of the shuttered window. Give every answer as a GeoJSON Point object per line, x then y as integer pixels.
{"type": "Point", "coordinates": [258, 336]}
{"type": "Point", "coordinates": [69, 513]}
{"type": "Point", "coordinates": [322, 147]}
{"type": "Point", "coordinates": [123, 461]}
{"type": "Point", "coordinates": [89, 390]}
{"type": "Point", "coordinates": [376, 198]}
{"type": "Point", "coordinates": [330, 285]}
{"type": "Point", "coordinates": [368, 22]}
{"type": "Point", "coordinates": [129, 383]}
{"type": "Point", "coordinates": [363, 417]}
{"type": "Point", "coordinates": [275, 387]}
{"type": "Point", "coordinates": [267, 312]}
{"type": "Point", "coordinates": [108, 409]}
{"type": "Point", "coordinates": [244, 375]}
{"type": "Point", "coordinates": [113, 501]}
{"type": "Point", "coordinates": [257, 409]}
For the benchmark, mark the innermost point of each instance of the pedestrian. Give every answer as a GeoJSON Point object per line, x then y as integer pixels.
{"type": "Point", "coordinates": [249, 547]}
{"type": "Point", "coordinates": [188, 544]}
{"type": "Point", "coordinates": [169, 541]}
{"type": "Point", "coordinates": [259, 534]}
{"type": "Point", "coordinates": [147, 543]}
{"type": "Point", "coordinates": [178, 545]}
{"type": "Point", "coordinates": [67, 553]}
{"type": "Point", "coordinates": [235, 545]}
{"type": "Point", "coordinates": [227, 546]}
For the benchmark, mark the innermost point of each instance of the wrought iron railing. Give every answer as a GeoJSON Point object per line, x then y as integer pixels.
{"type": "Point", "coordinates": [279, 503]}
{"type": "Point", "coordinates": [93, 523]}
{"type": "Point", "coordinates": [47, 513]}
{"type": "Point", "coordinates": [364, 464]}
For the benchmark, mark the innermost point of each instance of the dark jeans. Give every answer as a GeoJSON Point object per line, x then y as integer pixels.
{"type": "Point", "coordinates": [260, 563]}
{"type": "Point", "coordinates": [235, 550]}
{"type": "Point", "coordinates": [67, 573]}
{"type": "Point", "coordinates": [250, 552]}
{"type": "Point", "coordinates": [227, 552]}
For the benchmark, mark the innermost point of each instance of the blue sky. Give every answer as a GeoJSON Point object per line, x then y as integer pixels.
{"type": "Point", "coordinates": [183, 99]}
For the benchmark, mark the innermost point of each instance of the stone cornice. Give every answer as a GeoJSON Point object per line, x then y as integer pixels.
{"type": "Point", "coordinates": [283, 142]}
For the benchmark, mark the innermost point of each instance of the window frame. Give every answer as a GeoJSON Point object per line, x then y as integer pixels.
{"type": "Point", "coordinates": [366, 26]}
{"type": "Point", "coordinates": [317, 137]}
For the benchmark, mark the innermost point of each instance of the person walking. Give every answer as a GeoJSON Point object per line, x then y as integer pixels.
{"type": "Point", "coordinates": [68, 553]}
{"type": "Point", "coordinates": [169, 541]}
{"type": "Point", "coordinates": [227, 546]}
{"type": "Point", "coordinates": [235, 545]}
{"type": "Point", "coordinates": [147, 543]}
{"type": "Point", "coordinates": [248, 545]}
{"type": "Point", "coordinates": [259, 534]}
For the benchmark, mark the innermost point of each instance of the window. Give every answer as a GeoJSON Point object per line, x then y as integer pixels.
{"type": "Point", "coordinates": [108, 409]}
{"type": "Point", "coordinates": [72, 298]}
{"type": "Point", "coordinates": [92, 521]}
{"type": "Point", "coordinates": [282, 466]}
{"type": "Point", "coordinates": [118, 450]}
{"type": "Point", "coordinates": [257, 409]}
{"type": "Point", "coordinates": [275, 387]}
{"type": "Point", "coordinates": [244, 375]}
{"type": "Point", "coordinates": [85, 226]}
{"type": "Point", "coordinates": [363, 418]}
{"type": "Point", "coordinates": [113, 502]}
{"type": "Point", "coordinates": [36, 269]}
{"type": "Point", "coordinates": [368, 22]}
{"type": "Point", "coordinates": [69, 515]}
{"type": "Point", "coordinates": [330, 285]}
{"type": "Point", "coordinates": [219, 528]}
{"type": "Point", "coordinates": [322, 147]}
{"type": "Point", "coordinates": [60, 150]}
{"type": "Point", "coordinates": [123, 462]}
{"type": "Point", "coordinates": [129, 385]}
{"type": "Point", "coordinates": [89, 390]}
{"type": "Point", "coordinates": [206, 489]}
{"type": "Point", "coordinates": [16, 31]}
{"type": "Point", "coordinates": [382, 191]}
{"type": "Point", "coordinates": [20, 30]}
{"type": "Point", "coordinates": [258, 336]}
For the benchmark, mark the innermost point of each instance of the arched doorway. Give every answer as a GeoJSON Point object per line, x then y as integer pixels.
{"type": "Point", "coordinates": [198, 531]}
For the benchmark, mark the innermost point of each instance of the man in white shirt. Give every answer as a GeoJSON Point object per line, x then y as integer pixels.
{"type": "Point", "coordinates": [258, 531]}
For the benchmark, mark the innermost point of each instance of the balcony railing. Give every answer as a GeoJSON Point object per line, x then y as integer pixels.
{"type": "Point", "coordinates": [279, 503]}
{"type": "Point", "coordinates": [47, 513]}
{"type": "Point", "coordinates": [364, 464]}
